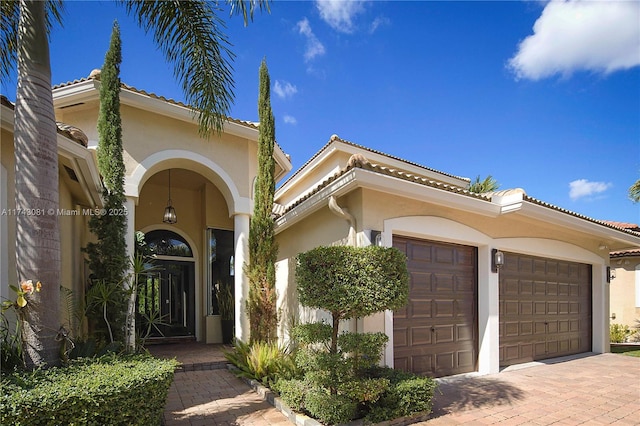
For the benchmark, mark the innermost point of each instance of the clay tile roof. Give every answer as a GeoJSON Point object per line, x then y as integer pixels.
{"type": "Point", "coordinates": [70, 132]}
{"type": "Point", "coordinates": [95, 75]}
{"type": "Point", "coordinates": [625, 253]}
{"type": "Point", "coordinates": [625, 225]}
{"type": "Point", "coordinates": [339, 139]}
{"type": "Point", "coordinates": [608, 224]}
{"type": "Point", "coordinates": [358, 161]}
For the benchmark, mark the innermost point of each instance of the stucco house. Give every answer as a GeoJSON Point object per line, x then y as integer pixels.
{"type": "Point", "coordinates": [625, 283]}
{"type": "Point", "coordinates": [547, 296]}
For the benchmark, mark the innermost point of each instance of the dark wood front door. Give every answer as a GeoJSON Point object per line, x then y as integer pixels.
{"type": "Point", "coordinates": [545, 308]}
{"type": "Point", "coordinates": [166, 300]}
{"type": "Point", "coordinates": [436, 333]}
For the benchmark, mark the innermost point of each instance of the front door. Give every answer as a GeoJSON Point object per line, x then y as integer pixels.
{"type": "Point", "coordinates": [166, 300]}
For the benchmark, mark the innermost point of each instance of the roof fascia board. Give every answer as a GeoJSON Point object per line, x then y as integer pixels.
{"type": "Point", "coordinates": [90, 90]}
{"type": "Point", "coordinates": [82, 158]}
{"type": "Point", "coordinates": [6, 117]}
{"type": "Point", "coordinates": [357, 177]}
{"type": "Point", "coordinates": [546, 214]}
{"type": "Point", "coordinates": [395, 163]}
{"type": "Point", "coordinates": [373, 157]}
{"type": "Point", "coordinates": [309, 168]}
{"type": "Point", "coordinates": [340, 186]}
{"type": "Point", "coordinates": [76, 93]}
{"type": "Point", "coordinates": [282, 160]}
{"type": "Point", "coordinates": [424, 193]}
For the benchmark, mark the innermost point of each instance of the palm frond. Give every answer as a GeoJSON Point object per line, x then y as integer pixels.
{"type": "Point", "coordinates": [634, 192]}
{"type": "Point", "coordinates": [9, 21]}
{"type": "Point", "coordinates": [190, 35]}
{"type": "Point", "coordinates": [247, 7]}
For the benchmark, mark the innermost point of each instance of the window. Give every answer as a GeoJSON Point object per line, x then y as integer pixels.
{"type": "Point", "coordinates": [220, 265]}
{"type": "Point", "coordinates": [167, 243]}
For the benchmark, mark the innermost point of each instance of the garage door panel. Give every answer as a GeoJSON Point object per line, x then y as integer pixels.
{"type": "Point", "coordinates": [526, 287]}
{"type": "Point", "coordinates": [443, 283]}
{"type": "Point", "coordinates": [553, 315]}
{"type": "Point", "coordinates": [444, 309]}
{"type": "Point", "coordinates": [441, 317]}
{"type": "Point", "coordinates": [421, 335]}
{"type": "Point", "coordinates": [465, 333]}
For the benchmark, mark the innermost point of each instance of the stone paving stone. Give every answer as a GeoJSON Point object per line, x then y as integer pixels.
{"type": "Point", "coordinates": [591, 390]}
{"type": "Point", "coordinates": [596, 390]}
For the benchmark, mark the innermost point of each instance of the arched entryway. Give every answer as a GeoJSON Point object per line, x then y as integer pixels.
{"type": "Point", "coordinates": [166, 296]}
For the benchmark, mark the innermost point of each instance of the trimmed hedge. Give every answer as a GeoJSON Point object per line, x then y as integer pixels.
{"type": "Point", "coordinates": [113, 390]}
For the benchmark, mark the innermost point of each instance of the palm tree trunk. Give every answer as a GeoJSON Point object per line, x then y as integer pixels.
{"type": "Point", "coordinates": [36, 170]}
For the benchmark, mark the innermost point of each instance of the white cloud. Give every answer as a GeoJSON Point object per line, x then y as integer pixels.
{"type": "Point", "coordinates": [339, 14]}
{"type": "Point", "coordinates": [380, 21]}
{"type": "Point", "coordinates": [288, 119]}
{"type": "Point", "coordinates": [314, 47]}
{"type": "Point", "coordinates": [284, 89]}
{"type": "Point", "coordinates": [573, 35]}
{"type": "Point", "coordinates": [583, 188]}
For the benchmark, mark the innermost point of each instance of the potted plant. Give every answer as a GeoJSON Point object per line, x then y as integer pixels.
{"type": "Point", "coordinates": [225, 306]}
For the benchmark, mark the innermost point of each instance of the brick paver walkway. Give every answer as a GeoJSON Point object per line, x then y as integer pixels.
{"type": "Point", "coordinates": [593, 390]}
{"type": "Point", "coordinates": [590, 390]}
{"type": "Point", "coordinates": [217, 397]}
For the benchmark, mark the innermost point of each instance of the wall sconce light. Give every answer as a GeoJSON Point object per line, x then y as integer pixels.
{"type": "Point", "coordinates": [169, 212]}
{"type": "Point", "coordinates": [376, 238]}
{"type": "Point", "coordinates": [611, 274]}
{"type": "Point", "coordinates": [497, 260]}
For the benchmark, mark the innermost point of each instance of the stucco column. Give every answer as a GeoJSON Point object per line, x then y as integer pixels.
{"type": "Point", "coordinates": [130, 235]}
{"type": "Point", "coordinates": [241, 282]}
{"type": "Point", "coordinates": [488, 314]}
{"type": "Point", "coordinates": [600, 309]}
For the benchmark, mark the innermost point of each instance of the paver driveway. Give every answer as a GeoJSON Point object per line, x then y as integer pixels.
{"type": "Point", "coordinates": [591, 390]}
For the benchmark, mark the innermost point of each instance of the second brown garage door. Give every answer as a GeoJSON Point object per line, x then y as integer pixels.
{"type": "Point", "coordinates": [545, 308]}
{"type": "Point", "coordinates": [436, 333]}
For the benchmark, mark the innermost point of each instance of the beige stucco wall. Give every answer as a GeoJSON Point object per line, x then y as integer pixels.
{"type": "Point", "coordinates": [73, 230]}
{"type": "Point", "coordinates": [624, 288]}
{"type": "Point", "coordinates": [394, 214]}
{"type": "Point", "coordinates": [145, 133]}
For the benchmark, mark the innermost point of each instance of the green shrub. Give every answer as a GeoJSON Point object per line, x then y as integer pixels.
{"type": "Point", "coordinates": [262, 361]}
{"type": "Point", "coordinates": [330, 409]}
{"type": "Point", "coordinates": [111, 390]}
{"type": "Point", "coordinates": [619, 333]}
{"type": "Point", "coordinates": [405, 398]}
{"type": "Point", "coordinates": [362, 349]}
{"type": "Point", "coordinates": [293, 392]}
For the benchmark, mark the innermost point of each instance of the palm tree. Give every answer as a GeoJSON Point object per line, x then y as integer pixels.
{"type": "Point", "coordinates": [634, 192]}
{"type": "Point", "coordinates": [189, 35]}
{"type": "Point", "coordinates": [489, 184]}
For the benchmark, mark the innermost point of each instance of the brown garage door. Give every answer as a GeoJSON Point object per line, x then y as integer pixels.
{"type": "Point", "coordinates": [436, 333]}
{"type": "Point", "coordinates": [545, 308]}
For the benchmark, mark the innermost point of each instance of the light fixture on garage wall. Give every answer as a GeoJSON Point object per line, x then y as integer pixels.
{"type": "Point", "coordinates": [169, 211]}
{"type": "Point", "coordinates": [497, 260]}
{"type": "Point", "coordinates": [611, 274]}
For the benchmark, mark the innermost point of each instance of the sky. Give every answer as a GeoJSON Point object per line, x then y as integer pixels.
{"type": "Point", "coordinates": [543, 96]}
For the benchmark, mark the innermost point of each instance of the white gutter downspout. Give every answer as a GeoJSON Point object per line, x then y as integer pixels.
{"type": "Point", "coordinates": [344, 213]}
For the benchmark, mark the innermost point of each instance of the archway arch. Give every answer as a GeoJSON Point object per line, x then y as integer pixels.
{"type": "Point", "coordinates": [178, 158]}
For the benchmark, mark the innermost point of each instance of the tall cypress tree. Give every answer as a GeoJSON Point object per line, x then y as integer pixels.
{"type": "Point", "coordinates": [107, 257]}
{"type": "Point", "coordinates": [263, 250]}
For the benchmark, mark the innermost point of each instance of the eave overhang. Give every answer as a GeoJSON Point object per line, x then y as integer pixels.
{"type": "Point", "coordinates": [363, 178]}
{"type": "Point", "coordinates": [88, 90]}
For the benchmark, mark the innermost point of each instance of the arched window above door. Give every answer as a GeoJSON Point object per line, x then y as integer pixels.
{"type": "Point", "coordinates": [163, 242]}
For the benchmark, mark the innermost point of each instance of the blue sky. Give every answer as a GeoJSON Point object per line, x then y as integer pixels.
{"type": "Point", "coordinates": [542, 96]}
